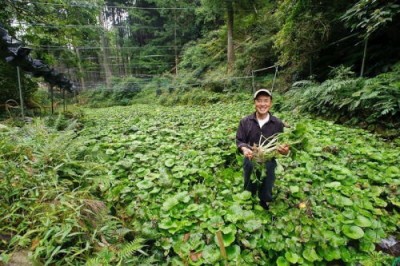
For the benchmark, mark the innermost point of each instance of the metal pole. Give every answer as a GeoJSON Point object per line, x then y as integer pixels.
{"type": "Point", "coordinates": [176, 51]}
{"type": "Point", "coordinates": [273, 82]}
{"type": "Point", "coordinates": [252, 81]}
{"type": "Point", "coordinates": [65, 107]}
{"type": "Point", "coordinates": [52, 99]}
{"type": "Point", "coordinates": [20, 94]}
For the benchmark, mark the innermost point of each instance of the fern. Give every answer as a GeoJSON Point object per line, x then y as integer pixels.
{"type": "Point", "coordinates": [128, 249]}
{"type": "Point", "coordinates": [374, 100]}
{"type": "Point", "coordinates": [95, 262]}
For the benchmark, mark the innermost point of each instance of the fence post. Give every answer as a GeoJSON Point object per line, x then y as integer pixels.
{"type": "Point", "coordinates": [52, 99]}
{"type": "Point", "coordinates": [273, 82]}
{"type": "Point", "coordinates": [252, 81]}
{"type": "Point", "coordinates": [21, 100]}
{"type": "Point", "coordinates": [262, 69]}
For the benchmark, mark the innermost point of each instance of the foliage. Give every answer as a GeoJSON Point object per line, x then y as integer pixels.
{"type": "Point", "coordinates": [121, 93]}
{"type": "Point", "coordinates": [199, 97]}
{"type": "Point", "coordinates": [171, 176]}
{"type": "Point", "coordinates": [255, 40]}
{"type": "Point", "coordinates": [46, 205]}
{"type": "Point", "coordinates": [188, 38]}
{"type": "Point", "coordinates": [304, 28]}
{"type": "Point", "coordinates": [351, 100]}
{"type": "Point", "coordinates": [370, 15]}
{"type": "Point", "coordinates": [202, 55]}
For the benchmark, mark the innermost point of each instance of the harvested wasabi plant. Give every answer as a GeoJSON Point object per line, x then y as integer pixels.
{"type": "Point", "coordinates": [267, 148]}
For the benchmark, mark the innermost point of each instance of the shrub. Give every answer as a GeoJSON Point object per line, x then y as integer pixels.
{"type": "Point", "coordinates": [370, 102]}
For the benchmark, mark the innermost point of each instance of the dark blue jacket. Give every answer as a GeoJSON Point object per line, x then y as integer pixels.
{"type": "Point", "coordinates": [249, 131]}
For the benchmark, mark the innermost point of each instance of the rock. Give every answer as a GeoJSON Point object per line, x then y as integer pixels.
{"type": "Point", "coordinates": [20, 258]}
{"type": "Point", "coordinates": [390, 245]}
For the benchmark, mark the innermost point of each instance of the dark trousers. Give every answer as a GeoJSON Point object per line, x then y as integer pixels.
{"type": "Point", "coordinates": [267, 181]}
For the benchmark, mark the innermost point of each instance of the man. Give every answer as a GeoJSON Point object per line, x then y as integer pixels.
{"type": "Point", "coordinates": [251, 127]}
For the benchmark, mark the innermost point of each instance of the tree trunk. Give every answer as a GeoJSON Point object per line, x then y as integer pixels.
{"type": "Point", "coordinates": [231, 52]}
{"type": "Point", "coordinates": [105, 52]}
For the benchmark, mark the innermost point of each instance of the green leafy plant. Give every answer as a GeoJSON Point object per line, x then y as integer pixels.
{"type": "Point", "coordinates": [371, 103]}
{"type": "Point", "coordinates": [132, 188]}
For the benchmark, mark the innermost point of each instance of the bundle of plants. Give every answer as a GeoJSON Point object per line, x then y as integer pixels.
{"type": "Point", "coordinates": [267, 148]}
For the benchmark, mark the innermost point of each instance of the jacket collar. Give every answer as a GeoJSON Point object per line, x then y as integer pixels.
{"type": "Point", "coordinates": [271, 117]}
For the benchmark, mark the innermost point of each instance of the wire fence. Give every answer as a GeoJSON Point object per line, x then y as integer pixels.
{"type": "Point", "coordinates": [101, 66]}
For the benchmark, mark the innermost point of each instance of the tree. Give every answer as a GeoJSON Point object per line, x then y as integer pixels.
{"type": "Point", "coordinates": [104, 49]}
{"type": "Point", "coordinates": [229, 8]}
{"type": "Point", "coordinates": [369, 16]}
{"type": "Point", "coordinates": [179, 25]}
{"type": "Point", "coordinates": [304, 28]}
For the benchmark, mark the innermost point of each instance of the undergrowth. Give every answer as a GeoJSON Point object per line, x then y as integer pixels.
{"type": "Point", "coordinates": [48, 202]}
{"type": "Point", "coordinates": [369, 103]}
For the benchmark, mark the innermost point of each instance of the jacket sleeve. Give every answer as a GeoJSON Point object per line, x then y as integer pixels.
{"type": "Point", "coordinates": [241, 138]}
{"type": "Point", "coordinates": [281, 127]}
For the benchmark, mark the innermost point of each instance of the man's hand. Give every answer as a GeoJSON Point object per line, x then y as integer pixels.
{"type": "Point", "coordinates": [247, 152]}
{"type": "Point", "coordinates": [283, 149]}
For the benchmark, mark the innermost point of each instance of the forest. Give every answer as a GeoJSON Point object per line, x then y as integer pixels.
{"type": "Point", "coordinates": [118, 121]}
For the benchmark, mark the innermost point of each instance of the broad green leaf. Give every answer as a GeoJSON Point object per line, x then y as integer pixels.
{"type": "Point", "coordinates": [330, 253]}
{"type": "Point", "coordinates": [367, 245]}
{"type": "Point", "coordinates": [392, 171]}
{"type": "Point", "coordinates": [110, 151]}
{"type": "Point", "coordinates": [233, 252]}
{"type": "Point", "coordinates": [167, 224]}
{"type": "Point", "coordinates": [353, 231]}
{"type": "Point", "coordinates": [328, 235]}
{"type": "Point", "coordinates": [337, 241]}
{"type": "Point", "coordinates": [145, 184]}
{"type": "Point", "coordinates": [349, 214]}
{"type": "Point", "coordinates": [250, 242]}
{"type": "Point", "coordinates": [292, 257]}
{"type": "Point", "coordinates": [374, 235]}
{"type": "Point", "coordinates": [281, 261]}
{"type": "Point", "coordinates": [344, 201]}
{"type": "Point", "coordinates": [192, 208]}
{"type": "Point", "coordinates": [242, 197]}
{"type": "Point", "coordinates": [235, 213]}
{"type": "Point", "coordinates": [334, 184]}
{"type": "Point", "coordinates": [345, 253]}
{"type": "Point", "coordinates": [310, 254]}
{"type": "Point", "coordinates": [170, 203]}
{"type": "Point", "coordinates": [333, 253]}
{"type": "Point", "coordinates": [229, 229]}
{"type": "Point", "coordinates": [127, 164]}
{"type": "Point", "coordinates": [294, 189]}
{"type": "Point", "coordinates": [215, 223]}
{"type": "Point", "coordinates": [155, 190]}
{"type": "Point", "coordinates": [227, 238]}
{"type": "Point", "coordinates": [142, 171]}
{"type": "Point", "coordinates": [252, 225]}
{"type": "Point", "coordinates": [169, 162]}
{"type": "Point", "coordinates": [339, 177]}
{"type": "Point", "coordinates": [395, 201]}
{"type": "Point", "coordinates": [363, 221]}
{"type": "Point", "coordinates": [211, 254]}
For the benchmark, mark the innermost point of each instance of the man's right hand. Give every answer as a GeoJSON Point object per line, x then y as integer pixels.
{"type": "Point", "coordinates": [247, 152]}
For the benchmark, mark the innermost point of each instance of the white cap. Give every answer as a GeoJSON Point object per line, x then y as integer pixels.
{"type": "Point", "coordinates": [262, 90]}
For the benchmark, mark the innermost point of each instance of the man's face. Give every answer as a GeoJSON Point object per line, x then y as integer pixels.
{"type": "Point", "coordinates": [263, 103]}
